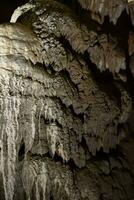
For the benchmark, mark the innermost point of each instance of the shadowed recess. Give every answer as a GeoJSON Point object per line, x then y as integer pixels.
{"type": "Point", "coordinates": [21, 152]}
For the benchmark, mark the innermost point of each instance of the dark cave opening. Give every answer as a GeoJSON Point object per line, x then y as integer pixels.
{"type": "Point", "coordinates": [21, 152]}
{"type": "Point", "coordinates": [7, 7]}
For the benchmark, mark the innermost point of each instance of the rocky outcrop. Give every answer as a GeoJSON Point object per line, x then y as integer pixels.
{"type": "Point", "coordinates": [66, 103]}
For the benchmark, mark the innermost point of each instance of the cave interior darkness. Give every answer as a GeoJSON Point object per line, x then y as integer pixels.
{"type": "Point", "coordinates": [7, 7]}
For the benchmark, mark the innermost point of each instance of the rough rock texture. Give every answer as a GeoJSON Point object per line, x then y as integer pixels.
{"type": "Point", "coordinates": [101, 8]}
{"type": "Point", "coordinates": [66, 102]}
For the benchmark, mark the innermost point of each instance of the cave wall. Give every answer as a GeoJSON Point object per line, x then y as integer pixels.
{"type": "Point", "coordinates": [66, 101]}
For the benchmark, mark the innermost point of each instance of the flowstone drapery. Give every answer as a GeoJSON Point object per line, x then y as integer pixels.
{"type": "Point", "coordinates": [66, 101]}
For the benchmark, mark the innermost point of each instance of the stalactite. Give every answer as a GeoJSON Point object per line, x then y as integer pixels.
{"type": "Point", "coordinates": [66, 101]}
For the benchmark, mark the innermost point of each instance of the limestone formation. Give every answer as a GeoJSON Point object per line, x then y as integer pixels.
{"type": "Point", "coordinates": [66, 101]}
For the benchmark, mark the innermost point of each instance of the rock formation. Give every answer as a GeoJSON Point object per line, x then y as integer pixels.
{"type": "Point", "coordinates": [66, 101]}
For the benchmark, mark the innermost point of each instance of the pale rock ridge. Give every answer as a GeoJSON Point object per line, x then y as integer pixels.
{"type": "Point", "coordinates": [20, 10]}
{"type": "Point", "coordinates": [16, 43]}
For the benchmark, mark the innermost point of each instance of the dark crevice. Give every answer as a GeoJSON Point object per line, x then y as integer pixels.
{"type": "Point", "coordinates": [51, 196]}
{"type": "Point", "coordinates": [70, 162]}
{"type": "Point", "coordinates": [84, 144]}
{"type": "Point", "coordinates": [67, 46]}
{"type": "Point", "coordinates": [50, 69]}
{"type": "Point", "coordinates": [57, 158]}
{"type": "Point", "coordinates": [85, 147]}
{"type": "Point", "coordinates": [21, 153]}
{"type": "Point", "coordinates": [101, 155]}
{"type": "Point", "coordinates": [72, 165]}
{"type": "Point", "coordinates": [104, 196]}
{"type": "Point", "coordinates": [105, 81]}
{"type": "Point", "coordinates": [120, 30]}
{"type": "Point", "coordinates": [35, 155]}
{"type": "Point", "coordinates": [120, 128]}
{"type": "Point", "coordinates": [80, 115]}
{"type": "Point", "coordinates": [65, 74]}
